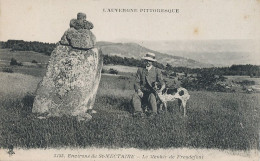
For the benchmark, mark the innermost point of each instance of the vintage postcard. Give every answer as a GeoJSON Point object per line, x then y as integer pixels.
{"type": "Point", "coordinates": [127, 80]}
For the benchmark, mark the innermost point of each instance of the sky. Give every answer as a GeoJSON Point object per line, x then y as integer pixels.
{"type": "Point", "coordinates": [47, 20]}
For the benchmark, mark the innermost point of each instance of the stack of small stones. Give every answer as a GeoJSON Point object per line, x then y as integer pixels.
{"type": "Point", "coordinates": [73, 74]}
{"type": "Point", "coordinates": [79, 35]}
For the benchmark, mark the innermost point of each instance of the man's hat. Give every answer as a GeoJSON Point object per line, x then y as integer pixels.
{"type": "Point", "coordinates": [150, 57]}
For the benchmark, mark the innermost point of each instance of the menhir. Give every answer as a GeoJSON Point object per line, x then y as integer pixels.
{"type": "Point", "coordinates": [70, 85]}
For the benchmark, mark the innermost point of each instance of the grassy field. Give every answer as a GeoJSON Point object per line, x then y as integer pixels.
{"type": "Point", "coordinates": [215, 120]}
{"type": "Point", "coordinates": [121, 68]}
{"type": "Point", "coordinates": [23, 56]}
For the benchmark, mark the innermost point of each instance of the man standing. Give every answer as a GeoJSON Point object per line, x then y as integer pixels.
{"type": "Point", "coordinates": [144, 93]}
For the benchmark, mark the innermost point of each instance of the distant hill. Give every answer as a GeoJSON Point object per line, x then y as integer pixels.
{"type": "Point", "coordinates": [216, 52]}
{"type": "Point", "coordinates": [129, 50]}
{"type": "Point", "coordinates": [137, 51]}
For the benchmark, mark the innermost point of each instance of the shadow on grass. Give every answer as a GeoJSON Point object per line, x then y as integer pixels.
{"type": "Point", "coordinates": [112, 102]}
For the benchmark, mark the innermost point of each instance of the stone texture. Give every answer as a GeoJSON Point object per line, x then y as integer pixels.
{"type": "Point", "coordinates": [81, 24]}
{"type": "Point", "coordinates": [70, 84]}
{"type": "Point", "coordinates": [76, 24]}
{"type": "Point", "coordinates": [88, 25]}
{"type": "Point", "coordinates": [81, 39]}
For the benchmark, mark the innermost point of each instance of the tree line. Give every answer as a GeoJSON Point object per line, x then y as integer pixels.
{"type": "Point", "coordinates": [117, 60]}
{"type": "Point", "coordinates": [20, 45]}
{"type": "Point", "coordinates": [245, 70]}
{"type": "Point", "coordinates": [47, 48]}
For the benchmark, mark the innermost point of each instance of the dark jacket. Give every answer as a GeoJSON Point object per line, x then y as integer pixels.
{"type": "Point", "coordinates": [144, 79]}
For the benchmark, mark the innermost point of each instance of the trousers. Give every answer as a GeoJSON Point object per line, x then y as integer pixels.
{"type": "Point", "coordinates": [148, 99]}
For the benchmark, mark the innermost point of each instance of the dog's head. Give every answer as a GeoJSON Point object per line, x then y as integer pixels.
{"type": "Point", "coordinates": [156, 86]}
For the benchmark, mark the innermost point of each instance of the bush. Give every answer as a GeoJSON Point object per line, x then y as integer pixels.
{"type": "Point", "coordinates": [124, 77]}
{"type": "Point", "coordinates": [112, 71]}
{"type": "Point", "coordinates": [204, 81]}
{"type": "Point", "coordinates": [7, 70]}
{"type": "Point", "coordinates": [34, 61]}
{"type": "Point", "coordinates": [14, 62]}
{"type": "Point", "coordinates": [173, 74]}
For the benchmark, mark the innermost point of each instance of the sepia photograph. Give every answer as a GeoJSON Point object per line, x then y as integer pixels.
{"type": "Point", "coordinates": [129, 80]}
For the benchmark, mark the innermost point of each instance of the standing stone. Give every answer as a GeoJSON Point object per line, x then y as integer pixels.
{"type": "Point", "coordinates": [72, 78]}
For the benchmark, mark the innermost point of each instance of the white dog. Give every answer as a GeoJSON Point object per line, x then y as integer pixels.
{"type": "Point", "coordinates": [168, 94]}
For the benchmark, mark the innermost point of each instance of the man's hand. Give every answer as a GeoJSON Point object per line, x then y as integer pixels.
{"type": "Point", "coordinates": [140, 93]}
